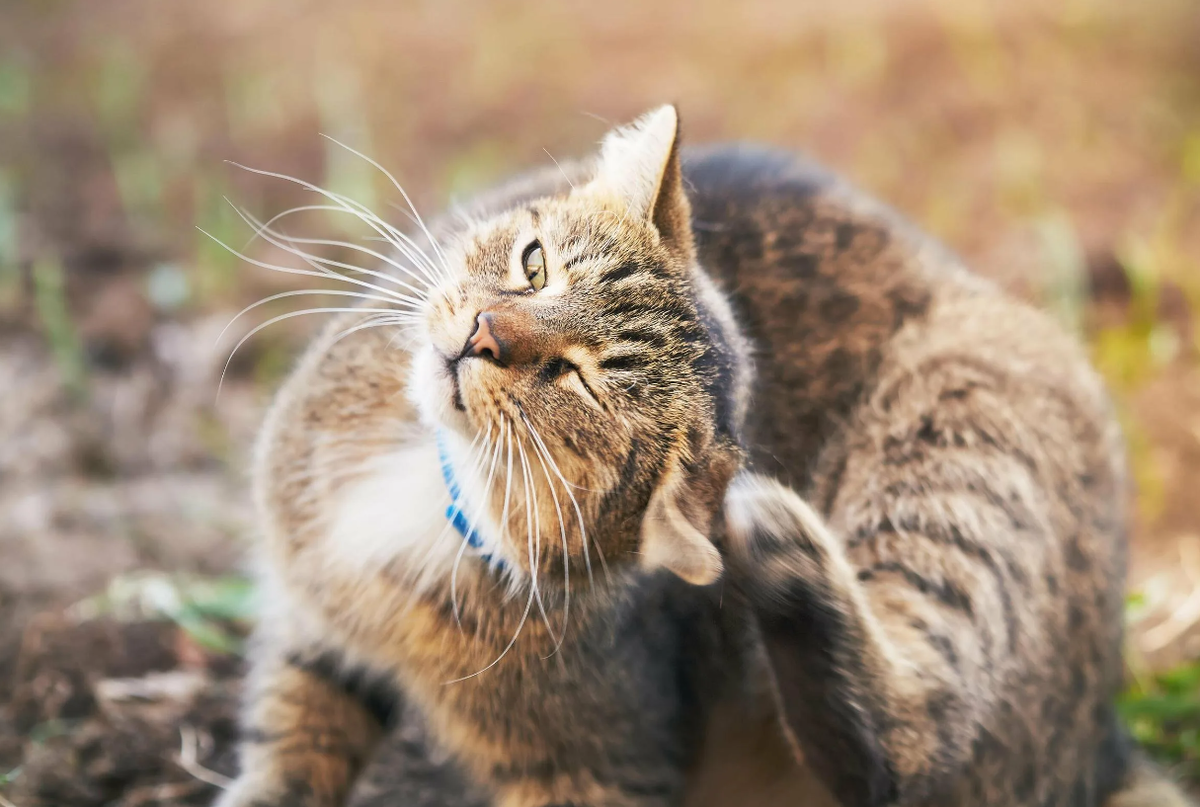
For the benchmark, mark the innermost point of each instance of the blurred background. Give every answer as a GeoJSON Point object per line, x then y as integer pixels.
{"type": "Point", "coordinates": [1054, 145]}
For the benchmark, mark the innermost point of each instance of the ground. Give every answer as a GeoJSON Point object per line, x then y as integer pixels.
{"type": "Point", "coordinates": [1055, 146]}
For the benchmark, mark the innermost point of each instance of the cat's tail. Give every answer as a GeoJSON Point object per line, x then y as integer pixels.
{"type": "Point", "coordinates": [1147, 785]}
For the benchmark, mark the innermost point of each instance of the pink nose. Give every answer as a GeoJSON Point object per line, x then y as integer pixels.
{"type": "Point", "coordinates": [483, 341]}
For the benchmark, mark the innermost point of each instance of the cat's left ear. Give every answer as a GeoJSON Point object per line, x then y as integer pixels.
{"type": "Point", "coordinates": [639, 166]}
{"type": "Point", "coordinates": [679, 520]}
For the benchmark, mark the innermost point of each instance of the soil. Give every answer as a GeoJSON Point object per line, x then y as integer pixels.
{"type": "Point", "coordinates": [135, 714]}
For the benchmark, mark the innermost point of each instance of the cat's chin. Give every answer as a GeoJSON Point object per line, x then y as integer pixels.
{"type": "Point", "coordinates": [435, 391]}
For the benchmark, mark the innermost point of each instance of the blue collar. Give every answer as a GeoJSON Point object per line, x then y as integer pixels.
{"type": "Point", "coordinates": [454, 513]}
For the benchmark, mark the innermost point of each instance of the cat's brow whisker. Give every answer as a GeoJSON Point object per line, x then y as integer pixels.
{"type": "Point", "coordinates": [287, 243]}
{"type": "Point", "coordinates": [265, 227]}
{"type": "Point", "coordinates": [560, 168]}
{"type": "Point", "coordinates": [432, 241]}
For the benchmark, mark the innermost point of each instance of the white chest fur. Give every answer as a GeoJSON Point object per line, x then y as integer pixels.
{"type": "Point", "coordinates": [394, 515]}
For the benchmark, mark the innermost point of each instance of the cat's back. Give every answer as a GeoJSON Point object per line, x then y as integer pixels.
{"type": "Point", "coordinates": [932, 419]}
{"type": "Point", "coordinates": [839, 296]}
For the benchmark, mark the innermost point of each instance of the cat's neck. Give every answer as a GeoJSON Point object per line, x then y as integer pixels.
{"type": "Point", "coordinates": [400, 513]}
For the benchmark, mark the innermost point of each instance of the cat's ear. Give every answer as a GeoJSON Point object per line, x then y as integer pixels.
{"type": "Point", "coordinates": [679, 519]}
{"type": "Point", "coordinates": [639, 166]}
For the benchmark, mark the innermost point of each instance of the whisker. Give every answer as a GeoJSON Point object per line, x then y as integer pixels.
{"type": "Point", "coordinates": [377, 321]}
{"type": "Point", "coordinates": [399, 239]}
{"type": "Point", "coordinates": [513, 641]}
{"type": "Point", "coordinates": [534, 528]}
{"type": "Point", "coordinates": [462, 549]}
{"type": "Point", "coordinates": [528, 601]}
{"type": "Point", "coordinates": [432, 241]}
{"type": "Point", "coordinates": [265, 227]}
{"type": "Point", "coordinates": [477, 517]}
{"type": "Point", "coordinates": [290, 315]}
{"type": "Point", "coordinates": [562, 528]}
{"type": "Point", "coordinates": [357, 209]}
{"type": "Point", "coordinates": [560, 168]}
{"type": "Point", "coordinates": [301, 293]}
{"type": "Point", "coordinates": [320, 272]}
{"type": "Point", "coordinates": [277, 238]}
{"type": "Point", "coordinates": [575, 504]}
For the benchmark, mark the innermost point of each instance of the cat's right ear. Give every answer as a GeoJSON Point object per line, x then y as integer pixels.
{"type": "Point", "coordinates": [639, 169]}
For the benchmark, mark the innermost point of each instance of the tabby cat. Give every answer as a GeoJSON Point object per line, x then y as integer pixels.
{"type": "Point", "coordinates": [692, 477]}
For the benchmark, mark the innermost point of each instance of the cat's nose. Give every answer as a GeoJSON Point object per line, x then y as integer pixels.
{"type": "Point", "coordinates": [483, 341]}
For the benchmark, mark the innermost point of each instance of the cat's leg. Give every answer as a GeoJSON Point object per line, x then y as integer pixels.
{"type": "Point", "coordinates": [309, 725]}
{"type": "Point", "coordinates": [623, 759]}
{"type": "Point", "coordinates": [881, 705]}
{"type": "Point", "coordinates": [614, 718]}
{"type": "Point", "coordinates": [584, 793]}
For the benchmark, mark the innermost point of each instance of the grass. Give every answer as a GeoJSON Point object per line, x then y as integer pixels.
{"type": "Point", "coordinates": [1163, 712]}
{"type": "Point", "coordinates": [214, 611]}
{"type": "Point", "coordinates": [58, 326]}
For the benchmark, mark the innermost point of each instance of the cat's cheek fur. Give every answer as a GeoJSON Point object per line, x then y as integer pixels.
{"type": "Point", "coordinates": [431, 389]}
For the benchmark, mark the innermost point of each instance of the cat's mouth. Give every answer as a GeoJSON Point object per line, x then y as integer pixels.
{"type": "Point", "coordinates": [456, 398]}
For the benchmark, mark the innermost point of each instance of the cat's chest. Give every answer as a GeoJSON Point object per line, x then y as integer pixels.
{"type": "Point", "coordinates": [392, 514]}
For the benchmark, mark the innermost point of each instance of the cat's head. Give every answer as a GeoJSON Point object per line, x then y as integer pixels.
{"type": "Point", "coordinates": [585, 371]}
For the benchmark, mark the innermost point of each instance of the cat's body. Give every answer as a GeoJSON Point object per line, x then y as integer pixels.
{"type": "Point", "coordinates": [943, 627]}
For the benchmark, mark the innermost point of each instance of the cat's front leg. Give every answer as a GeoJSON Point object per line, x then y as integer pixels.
{"type": "Point", "coordinates": [876, 712]}
{"type": "Point", "coordinates": [309, 726]}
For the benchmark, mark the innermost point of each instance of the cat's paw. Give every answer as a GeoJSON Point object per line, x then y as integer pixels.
{"type": "Point", "coordinates": [772, 535]}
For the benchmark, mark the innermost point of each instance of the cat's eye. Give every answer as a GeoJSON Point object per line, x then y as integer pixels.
{"type": "Point", "coordinates": [534, 260]}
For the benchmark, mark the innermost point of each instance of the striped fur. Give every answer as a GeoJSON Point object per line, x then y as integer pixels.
{"type": "Point", "coordinates": [910, 487]}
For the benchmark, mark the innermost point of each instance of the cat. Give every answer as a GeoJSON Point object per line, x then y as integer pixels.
{"type": "Point", "coordinates": [692, 477]}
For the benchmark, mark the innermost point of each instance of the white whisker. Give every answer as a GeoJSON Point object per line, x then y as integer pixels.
{"type": "Point", "coordinates": [277, 239]}
{"type": "Point", "coordinates": [513, 641]}
{"type": "Point", "coordinates": [348, 205]}
{"type": "Point", "coordinates": [301, 293]}
{"type": "Point", "coordinates": [529, 600]}
{"type": "Point", "coordinates": [471, 528]}
{"type": "Point", "coordinates": [290, 315]}
{"type": "Point", "coordinates": [533, 526]}
{"type": "Point", "coordinates": [575, 504]}
{"type": "Point", "coordinates": [321, 273]}
{"type": "Point", "coordinates": [377, 321]}
{"type": "Point", "coordinates": [562, 528]}
{"type": "Point", "coordinates": [432, 241]}
{"type": "Point", "coordinates": [560, 168]}
{"type": "Point", "coordinates": [265, 227]}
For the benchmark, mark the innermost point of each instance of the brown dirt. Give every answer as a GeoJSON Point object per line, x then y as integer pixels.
{"type": "Point", "coordinates": [135, 714]}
